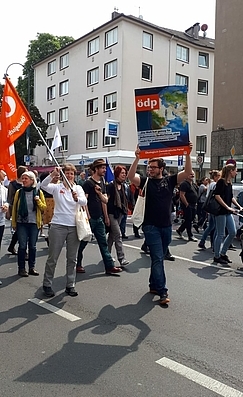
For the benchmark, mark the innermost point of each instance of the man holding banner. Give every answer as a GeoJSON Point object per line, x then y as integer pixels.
{"type": "Point", "coordinates": [157, 218]}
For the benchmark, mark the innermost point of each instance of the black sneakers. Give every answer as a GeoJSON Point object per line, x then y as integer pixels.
{"type": "Point", "coordinates": [220, 260]}
{"type": "Point", "coordinates": [48, 291]}
{"type": "Point", "coordinates": [226, 258]}
{"type": "Point", "coordinates": [71, 291]}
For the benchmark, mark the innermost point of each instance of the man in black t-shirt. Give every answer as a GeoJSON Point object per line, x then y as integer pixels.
{"type": "Point", "coordinates": [94, 189]}
{"type": "Point", "coordinates": [188, 200]}
{"type": "Point", "coordinates": [157, 219]}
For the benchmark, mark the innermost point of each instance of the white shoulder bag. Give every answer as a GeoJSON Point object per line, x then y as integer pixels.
{"type": "Point", "coordinates": [82, 224]}
{"type": "Point", "coordinates": [139, 209]}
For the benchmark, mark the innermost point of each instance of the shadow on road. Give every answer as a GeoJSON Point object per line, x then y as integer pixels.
{"type": "Point", "coordinates": [82, 363]}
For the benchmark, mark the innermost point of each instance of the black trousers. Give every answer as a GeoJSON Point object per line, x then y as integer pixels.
{"type": "Point", "coordinates": [188, 216]}
{"type": "Point", "coordinates": [1, 234]}
{"type": "Point", "coordinates": [13, 241]}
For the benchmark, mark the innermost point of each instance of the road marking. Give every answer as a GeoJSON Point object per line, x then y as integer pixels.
{"type": "Point", "coordinates": [197, 377]}
{"type": "Point", "coordinates": [53, 309]}
{"type": "Point", "coordinates": [230, 269]}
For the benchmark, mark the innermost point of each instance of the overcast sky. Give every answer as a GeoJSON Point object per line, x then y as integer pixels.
{"type": "Point", "coordinates": [21, 20]}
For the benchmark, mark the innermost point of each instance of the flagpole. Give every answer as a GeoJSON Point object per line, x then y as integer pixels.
{"type": "Point", "coordinates": [52, 156]}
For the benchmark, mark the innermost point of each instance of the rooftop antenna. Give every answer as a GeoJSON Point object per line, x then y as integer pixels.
{"type": "Point", "coordinates": [139, 16]}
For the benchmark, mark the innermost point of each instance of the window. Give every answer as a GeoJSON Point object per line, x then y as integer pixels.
{"type": "Point", "coordinates": [63, 88]}
{"type": "Point", "coordinates": [92, 106]}
{"type": "Point", "coordinates": [111, 37]}
{"type": "Point", "coordinates": [49, 143]}
{"type": "Point", "coordinates": [51, 67]}
{"type": "Point", "coordinates": [203, 60]}
{"type": "Point", "coordinates": [202, 87]}
{"type": "Point", "coordinates": [63, 115]}
{"type": "Point", "coordinates": [64, 146]}
{"type": "Point", "coordinates": [64, 62]}
{"type": "Point", "coordinates": [147, 41]}
{"type": "Point", "coordinates": [181, 80]}
{"type": "Point", "coordinates": [93, 46]}
{"type": "Point", "coordinates": [51, 118]}
{"type": "Point", "coordinates": [202, 114]}
{"type": "Point", "coordinates": [146, 72]}
{"type": "Point", "coordinates": [110, 101]}
{"type": "Point", "coordinates": [93, 76]}
{"type": "Point", "coordinates": [108, 140]}
{"type": "Point", "coordinates": [182, 53]}
{"type": "Point", "coordinates": [51, 92]}
{"type": "Point", "coordinates": [91, 139]}
{"type": "Point", "coordinates": [201, 144]}
{"type": "Point", "coordinates": [110, 69]}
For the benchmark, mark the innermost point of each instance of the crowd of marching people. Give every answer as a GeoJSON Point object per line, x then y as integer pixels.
{"type": "Point", "coordinates": [53, 200]}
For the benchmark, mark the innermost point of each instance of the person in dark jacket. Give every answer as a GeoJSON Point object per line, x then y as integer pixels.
{"type": "Point", "coordinates": [188, 199]}
{"type": "Point", "coordinates": [12, 189]}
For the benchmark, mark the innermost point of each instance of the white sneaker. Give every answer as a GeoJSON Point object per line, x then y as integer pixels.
{"type": "Point", "coordinates": [124, 262]}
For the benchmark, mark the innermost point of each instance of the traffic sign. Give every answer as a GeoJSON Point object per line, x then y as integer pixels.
{"type": "Point", "coordinates": [26, 158]}
{"type": "Point", "coordinates": [199, 159]}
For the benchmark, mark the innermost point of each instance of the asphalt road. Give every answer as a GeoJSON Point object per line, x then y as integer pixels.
{"type": "Point", "coordinates": [114, 339]}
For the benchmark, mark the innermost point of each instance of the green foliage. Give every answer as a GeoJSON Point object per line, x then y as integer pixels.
{"type": "Point", "coordinates": [44, 45]}
{"type": "Point", "coordinates": [35, 140]}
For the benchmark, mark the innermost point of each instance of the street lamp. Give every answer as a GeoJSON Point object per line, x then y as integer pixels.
{"type": "Point", "coordinates": [28, 106]}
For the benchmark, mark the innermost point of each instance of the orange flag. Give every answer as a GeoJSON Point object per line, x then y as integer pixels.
{"type": "Point", "coordinates": [14, 119]}
{"type": "Point", "coordinates": [10, 168]}
{"type": "Point", "coordinates": [4, 148]}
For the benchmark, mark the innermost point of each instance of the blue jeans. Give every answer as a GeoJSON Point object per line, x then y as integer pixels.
{"type": "Point", "coordinates": [222, 222]}
{"type": "Point", "coordinates": [98, 228]}
{"type": "Point", "coordinates": [158, 240]}
{"type": "Point", "coordinates": [27, 236]}
{"type": "Point", "coordinates": [211, 226]}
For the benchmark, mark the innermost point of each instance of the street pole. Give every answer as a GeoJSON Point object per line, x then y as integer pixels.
{"type": "Point", "coordinates": [28, 107]}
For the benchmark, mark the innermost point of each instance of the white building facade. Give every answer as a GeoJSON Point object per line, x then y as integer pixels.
{"type": "Point", "coordinates": [93, 79]}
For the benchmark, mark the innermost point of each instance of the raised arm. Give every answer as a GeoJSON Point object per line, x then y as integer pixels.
{"type": "Point", "coordinates": [132, 176]}
{"type": "Point", "coordinates": [181, 176]}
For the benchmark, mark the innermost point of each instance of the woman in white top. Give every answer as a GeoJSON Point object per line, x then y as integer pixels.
{"type": "Point", "coordinates": [63, 227]}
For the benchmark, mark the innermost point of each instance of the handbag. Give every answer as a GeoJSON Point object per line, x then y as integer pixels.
{"type": "Point", "coordinates": [139, 209]}
{"type": "Point", "coordinates": [84, 231]}
{"type": "Point", "coordinates": [211, 205]}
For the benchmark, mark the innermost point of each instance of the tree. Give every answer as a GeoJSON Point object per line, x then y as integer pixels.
{"type": "Point", "coordinates": [40, 48]}
{"type": "Point", "coordinates": [44, 45]}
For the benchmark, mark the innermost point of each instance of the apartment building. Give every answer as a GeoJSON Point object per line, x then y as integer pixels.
{"type": "Point", "coordinates": [92, 80]}
{"type": "Point", "coordinates": [228, 85]}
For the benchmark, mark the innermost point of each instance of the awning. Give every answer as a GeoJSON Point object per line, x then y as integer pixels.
{"type": "Point", "coordinates": [41, 169]}
{"type": "Point", "coordinates": [124, 157]}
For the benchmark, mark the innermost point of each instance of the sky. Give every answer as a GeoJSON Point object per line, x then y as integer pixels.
{"type": "Point", "coordinates": [21, 21]}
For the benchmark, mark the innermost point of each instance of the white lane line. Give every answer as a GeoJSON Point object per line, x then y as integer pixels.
{"type": "Point", "coordinates": [197, 377]}
{"type": "Point", "coordinates": [230, 269]}
{"type": "Point", "coordinates": [53, 309]}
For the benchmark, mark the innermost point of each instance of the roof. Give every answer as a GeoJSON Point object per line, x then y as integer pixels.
{"type": "Point", "coordinates": [204, 42]}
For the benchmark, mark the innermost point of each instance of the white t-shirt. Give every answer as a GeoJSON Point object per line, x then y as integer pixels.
{"type": "Point", "coordinates": [65, 206]}
{"type": "Point", "coordinates": [3, 200]}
